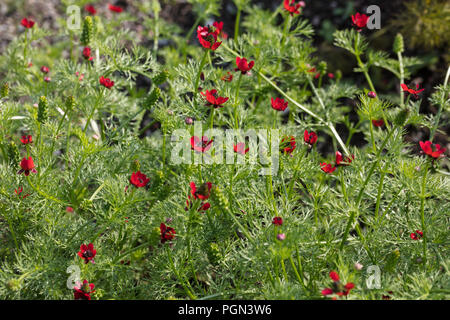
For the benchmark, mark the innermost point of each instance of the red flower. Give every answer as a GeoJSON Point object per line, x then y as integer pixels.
{"type": "Point", "coordinates": [327, 167]}
{"type": "Point", "coordinates": [278, 221]}
{"type": "Point", "coordinates": [371, 94]}
{"type": "Point", "coordinates": [27, 23]}
{"type": "Point", "coordinates": [19, 191]}
{"type": "Point", "coordinates": [27, 166]}
{"type": "Point", "coordinates": [359, 21]}
{"type": "Point", "coordinates": [114, 8]}
{"type": "Point", "coordinates": [139, 180]}
{"type": "Point", "coordinates": [317, 75]}
{"type": "Point", "coordinates": [80, 76]}
{"type": "Point", "coordinates": [90, 8]}
{"type": "Point", "coordinates": [337, 287]}
{"type": "Point", "coordinates": [378, 123]}
{"type": "Point", "coordinates": [240, 148]}
{"type": "Point", "coordinates": [201, 145]}
{"type": "Point", "coordinates": [219, 30]}
{"type": "Point", "coordinates": [331, 75]}
{"type": "Point", "coordinates": [279, 104]}
{"type": "Point", "coordinates": [416, 235]}
{"type": "Point", "coordinates": [87, 54]}
{"type": "Point", "coordinates": [412, 91]}
{"type": "Point", "coordinates": [427, 148]}
{"type": "Point", "coordinates": [106, 82]}
{"type": "Point", "coordinates": [243, 66]}
{"type": "Point", "coordinates": [310, 137]}
{"type": "Point", "coordinates": [26, 139]}
{"type": "Point", "coordinates": [213, 98]}
{"type": "Point", "coordinates": [69, 209]}
{"type": "Point", "coordinates": [228, 77]}
{"type": "Point", "coordinates": [87, 252]}
{"type": "Point", "coordinates": [203, 206]}
{"type": "Point", "coordinates": [207, 36]}
{"type": "Point", "coordinates": [292, 7]}
{"type": "Point", "coordinates": [288, 144]}
{"type": "Point", "coordinates": [83, 291]}
{"type": "Point", "coordinates": [167, 233]}
{"type": "Point", "coordinates": [203, 192]}
{"type": "Point", "coordinates": [340, 161]}
{"type": "Point", "coordinates": [47, 79]}
{"type": "Point", "coordinates": [45, 69]}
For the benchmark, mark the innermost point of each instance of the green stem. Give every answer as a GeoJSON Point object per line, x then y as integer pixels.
{"type": "Point", "coordinates": [422, 212]}
{"type": "Point", "coordinates": [438, 115]}
{"type": "Point", "coordinates": [236, 100]}
{"type": "Point", "coordinates": [402, 76]}
{"type": "Point", "coordinates": [199, 73]}
{"type": "Point", "coordinates": [93, 110]}
{"type": "Point", "coordinates": [236, 24]}
{"type": "Point", "coordinates": [189, 293]}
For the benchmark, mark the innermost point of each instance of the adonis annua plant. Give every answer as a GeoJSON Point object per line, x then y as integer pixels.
{"type": "Point", "coordinates": [95, 205]}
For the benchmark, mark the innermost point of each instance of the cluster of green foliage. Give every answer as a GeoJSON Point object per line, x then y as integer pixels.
{"type": "Point", "coordinates": [88, 140]}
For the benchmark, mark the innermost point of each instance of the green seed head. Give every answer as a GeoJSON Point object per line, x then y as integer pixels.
{"type": "Point", "coordinates": [42, 109]}
{"type": "Point", "coordinates": [4, 90]}
{"type": "Point", "coordinates": [88, 31]}
{"type": "Point", "coordinates": [398, 43]}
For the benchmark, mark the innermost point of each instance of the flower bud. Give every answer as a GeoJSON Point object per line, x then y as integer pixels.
{"type": "Point", "coordinates": [371, 94]}
{"type": "Point", "coordinates": [70, 103]}
{"type": "Point", "coordinates": [398, 46]}
{"type": "Point", "coordinates": [358, 266]}
{"type": "Point", "coordinates": [281, 236]}
{"type": "Point", "coordinates": [161, 78]}
{"type": "Point", "coordinates": [189, 121]}
{"type": "Point", "coordinates": [88, 31]}
{"type": "Point", "coordinates": [42, 109]}
{"type": "Point", "coordinates": [4, 90]}
{"type": "Point", "coordinates": [401, 117]}
{"type": "Point", "coordinates": [218, 195]}
{"type": "Point", "coordinates": [13, 284]}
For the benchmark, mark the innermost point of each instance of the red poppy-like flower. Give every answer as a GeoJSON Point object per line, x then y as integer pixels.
{"type": "Point", "coordinates": [378, 123]}
{"type": "Point", "coordinates": [240, 148]}
{"type": "Point", "coordinates": [203, 206]}
{"type": "Point", "coordinates": [90, 8]}
{"type": "Point", "coordinates": [327, 167]}
{"type": "Point", "coordinates": [207, 36]}
{"type": "Point", "coordinates": [26, 139]}
{"type": "Point", "coordinates": [27, 23]}
{"type": "Point", "coordinates": [115, 8]}
{"type": "Point", "coordinates": [213, 98]}
{"type": "Point", "coordinates": [203, 192]}
{"type": "Point", "coordinates": [45, 69]}
{"type": "Point", "coordinates": [83, 291]}
{"type": "Point", "coordinates": [279, 104]}
{"type": "Point", "coordinates": [317, 75]}
{"type": "Point", "coordinates": [341, 161]}
{"type": "Point", "coordinates": [415, 93]}
{"type": "Point", "coordinates": [427, 147]}
{"type": "Point", "coordinates": [310, 137]}
{"type": "Point", "coordinates": [47, 79]}
{"type": "Point", "coordinates": [337, 287]}
{"type": "Point", "coordinates": [416, 235]}
{"type": "Point", "coordinates": [243, 65]}
{"type": "Point", "coordinates": [139, 180]}
{"type": "Point", "coordinates": [292, 7]}
{"type": "Point", "coordinates": [331, 75]}
{"type": "Point", "coordinates": [27, 166]}
{"type": "Point", "coordinates": [359, 21]}
{"type": "Point", "coordinates": [167, 233]}
{"type": "Point", "coordinates": [228, 77]}
{"type": "Point", "coordinates": [87, 54]}
{"type": "Point", "coordinates": [219, 30]}
{"type": "Point", "coordinates": [202, 145]}
{"type": "Point", "coordinates": [106, 82]}
{"type": "Point", "coordinates": [278, 221]}
{"type": "Point", "coordinates": [288, 145]}
{"type": "Point", "coordinates": [87, 252]}
{"type": "Point", "coordinates": [69, 209]}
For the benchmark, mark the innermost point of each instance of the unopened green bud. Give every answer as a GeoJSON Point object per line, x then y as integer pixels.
{"type": "Point", "coordinates": [220, 197]}
{"type": "Point", "coordinates": [401, 117]}
{"type": "Point", "coordinates": [4, 90]}
{"type": "Point", "coordinates": [161, 77]}
{"type": "Point", "coordinates": [88, 31]}
{"type": "Point", "coordinates": [70, 103]}
{"type": "Point", "coordinates": [151, 99]}
{"type": "Point", "coordinates": [322, 67]}
{"type": "Point", "coordinates": [398, 43]}
{"type": "Point", "coordinates": [42, 109]}
{"type": "Point", "coordinates": [13, 154]}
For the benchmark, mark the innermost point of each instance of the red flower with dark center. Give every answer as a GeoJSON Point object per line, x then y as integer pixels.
{"type": "Point", "coordinates": [27, 166]}
{"type": "Point", "coordinates": [203, 206]}
{"type": "Point", "coordinates": [288, 145]}
{"type": "Point", "coordinates": [327, 167]}
{"type": "Point", "coordinates": [207, 36]}
{"type": "Point", "coordinates": [427, 147]}
{"type": "Point", "coordinates": [279, 104]}
{"type": "Point", "coordinates": [27, 23]}
{"type": "Point", "coordinates": [203, 192]}
{"type": "Point", "coordinates": [139, 180]}
{"type": "Point", "coordinates": [415, 93]}
{"type": "Point", "coordinates": [359, 21]}
{"type": "Point", "coordinates": [114, 8]}
{"type": "Point", "coordinates": [106, 82]}
{"type": "Point", "coordinates": [213, 98]}
{"type": "Point", "coordinates": [340, 161]}
{"type": "Point", "coordinates": [83, 291]}
{"type": "Point", "coordinates": [202, 145]}
{"type": "Point", "coordinates": [243, 65]}
{"type": "Point", "coordinates": [310, 137]}
{"type": "Point", "coordinates": [45, 69]}
{"type": "Point", "coordinates": [219, 30]}
{"type": "Point", "coordinates": [228, 77]}
{"type": "Point", "coordinates": [278, 221]}
{"type": "Point", "coordinates": [87, 252]}
{"type": "Point", "coordinates": [337, 287]}
{"type": "Point", "coordinates": [292, 7]}
{"type": "Point", "coordinates": [90, 8]}
{"type": "Point", "coordinates": [87, 54]}
{"type": "Point", "coordinates": [378, 123]}
{"type": "Point", "coordinates": [26, 139]}
{"type": "Point", "coordinates": [167, 233]}
{"type": "Point", "coordinates": [240, 148]}
{"type": "Point", "coordinates": [416, 235]}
